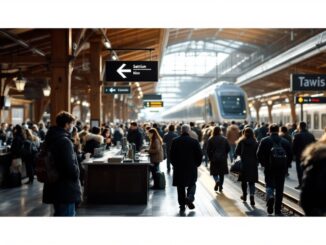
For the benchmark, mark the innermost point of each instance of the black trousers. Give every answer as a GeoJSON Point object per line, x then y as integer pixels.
{"type": "Point", "coordinates": [299, 171]}
{"type": "Point", "coordinates": [191, 190]}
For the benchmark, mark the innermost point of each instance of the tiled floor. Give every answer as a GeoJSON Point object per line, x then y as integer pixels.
{"type": "Point", "coordinates": [26, 201]}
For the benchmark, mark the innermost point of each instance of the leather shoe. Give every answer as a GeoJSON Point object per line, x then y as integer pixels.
{"type": "Point", "coordinates": [270, 205]}
{"type": "Point", "coordinates": [298, 187]}
{"type": "Point", "coordinates": [189, 204]}
{"type": "Point", "coordinates": [216, 185]}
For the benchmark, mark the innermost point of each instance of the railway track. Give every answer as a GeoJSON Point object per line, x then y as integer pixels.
{"type": "Point", "coordinates": [290, 204]}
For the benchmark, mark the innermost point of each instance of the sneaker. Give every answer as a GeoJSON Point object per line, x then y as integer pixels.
{"type": "Point", "coordinates": [216, 185]}
{"type": "Point", "coordinates": [189, 204]}
{"type": "Point", "coordinates": [220, 189]}
{"type": "Point", "coordinates": [252, 200]}
{"type": "Point", "coordinates": [244, 198]}
{"type": "Point", "coordinates": [270, 205]}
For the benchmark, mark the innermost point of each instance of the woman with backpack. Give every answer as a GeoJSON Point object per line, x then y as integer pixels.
{"type": "Point", "coordinates": [217, 151]}
{"type": "Point", "coordinates": [246, 148]}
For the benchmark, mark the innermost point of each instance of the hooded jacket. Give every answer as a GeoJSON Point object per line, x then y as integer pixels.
{"type": "Point", "coordinates": [67, 188]}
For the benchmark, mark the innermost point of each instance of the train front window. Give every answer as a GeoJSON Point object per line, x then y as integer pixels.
{"type": "Point", "coordinates": [233, 105]}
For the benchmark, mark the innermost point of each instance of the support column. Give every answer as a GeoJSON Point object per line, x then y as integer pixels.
{"type": "Point", "coordinates": [292, 107]}
{"type": "Point", "coordinates": [96, 83]}
{"type": "Point", "coordinates": [270, 117]}
{"type": "Point", "coordinates": [117, 108]}
{"type": "Point", "coordinates": [61, 71]}
{"type": "Point", "coordinates": [257, 105]}
{"type": "Point", "coordinates": [40, 107]}
{"type": "Point", "coordinates": [111, 105]}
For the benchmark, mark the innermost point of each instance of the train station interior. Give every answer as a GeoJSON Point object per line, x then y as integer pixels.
{"type": "Point", "coordinates": [174, 126]}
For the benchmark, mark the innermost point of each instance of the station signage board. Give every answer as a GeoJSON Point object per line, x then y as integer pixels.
{"type": "Point", "coordinates": [134, 71]}
{"type": "Point", "coordinates": [117, 90]}
{"type": "Point", "coordinates": [152, 104]}
{"type": "Point", "coordinates": [310, 100]}
{"type": "Point", "coordinates": [308, 82]}
{"type": "Point", "coordinates": [156, 97]}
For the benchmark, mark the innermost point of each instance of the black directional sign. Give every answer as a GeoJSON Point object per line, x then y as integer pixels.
{"type": "Point", "coordinates": [310, 100]}
{"type": "Point", "coordinates": [152, 97]}
{"type": "Point", "coordinates": [308, 82]}
{"type": "Point", "coordinates": [137, 71]}
{"type": "Point", "coordinates": [153, 104]}
{"type": "Point", "coordinates": [117, 90]}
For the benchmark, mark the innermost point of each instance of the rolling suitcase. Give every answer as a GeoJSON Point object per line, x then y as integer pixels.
{"type": "Point", "coordinates": [159, 180]}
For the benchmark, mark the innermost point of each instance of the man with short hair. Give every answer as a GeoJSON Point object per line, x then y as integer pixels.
{"type": "Point", "coordinates": [275, 167]}
{"type": "Point", "coordinates": [135, 136]}
{"type": "Point", "coordinates": [167, 139]}
{"type": "Point", "coordinates": [65, 191]}
{"type": "Point", "coordinates": [186, 157]}
{"type": "Point", "coordinates": [301, 140]}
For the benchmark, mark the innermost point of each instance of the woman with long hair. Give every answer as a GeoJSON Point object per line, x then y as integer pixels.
{"type": "Point", "coordinates": [32, 144]}
{"type": "Point", "coordinates": [155, 151]}
{"type": "Point", "coordinates": [106, 133]}
{"type": "Point", "coordinates": [217, 151]}
{"type": "Point", "coordinates": [246, 148]}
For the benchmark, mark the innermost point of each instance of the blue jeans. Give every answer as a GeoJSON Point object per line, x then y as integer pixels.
{"type": "Point", "coordinates": [245, 187]}
{"type": "Point", "coordinates": [275, 182]}
{"type": "Point", "coordinates": [232, 151]}
{"type": "Point", "coordinates": [219, 178]}
{"type": "Point", "coordinates": [64, 209]}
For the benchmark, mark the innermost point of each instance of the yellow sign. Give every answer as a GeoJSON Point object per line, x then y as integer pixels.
{"type": "Point", "coordinates": [153, 104]}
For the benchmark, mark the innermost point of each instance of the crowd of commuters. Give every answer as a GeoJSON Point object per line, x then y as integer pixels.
{"type": "Point", "coordinates": [185, 147]}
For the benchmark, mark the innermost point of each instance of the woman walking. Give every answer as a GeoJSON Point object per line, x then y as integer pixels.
{"type": "Point", "coordinates": [246, 149]}
{"type": "Point", "coordinates": [217, 151]}
{"type": "Point", "coordinates": [155, 152]}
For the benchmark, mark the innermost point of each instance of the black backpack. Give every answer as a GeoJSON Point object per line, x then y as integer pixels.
{"type": "Point", "coordinates": [278, 157]}
{"type": "Point", "coordinates": [28, 149]}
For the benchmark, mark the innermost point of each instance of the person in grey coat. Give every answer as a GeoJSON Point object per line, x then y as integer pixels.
{"type": "Point", "coordinates": [186, 157]}
{"type": "Point", "coordinates": [217, 150]}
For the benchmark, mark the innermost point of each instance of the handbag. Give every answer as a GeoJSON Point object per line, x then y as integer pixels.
{"type": "Point", "coordinates": [236, 166]}
{"type": "Point", "coordinates": [16, 165]}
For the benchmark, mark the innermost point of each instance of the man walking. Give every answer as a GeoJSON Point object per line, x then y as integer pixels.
{"type": "Point", "coordinates": [186, 157]}
{"type": "Point", "coordinates": [275, 155]}
{"type": "Point", "coordinates": [167, 139]}
{"type": "Point", "coordinates": [301, 140]}
{"type": "Point", "coordinates": [64, 191]}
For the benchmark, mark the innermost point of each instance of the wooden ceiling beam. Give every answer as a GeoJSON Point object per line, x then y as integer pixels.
{"type": "Point", "coordinates": [24, 59]}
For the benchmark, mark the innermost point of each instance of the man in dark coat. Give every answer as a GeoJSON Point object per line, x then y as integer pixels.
{"type": "Point", "coordinates": [301, 140]}
{"type": "Point", "coordinates": [217, 151]}
{"type": "Point", "coordinates": [135, 136]}
{"type": "Point", "coordinates": [186, 157]}
{"type": "Point", "coordinates": [65, 192]}
{"type": "Point", "coordinates": [274, 177]}
{"type": "Point", "coordinates": [167, 139]}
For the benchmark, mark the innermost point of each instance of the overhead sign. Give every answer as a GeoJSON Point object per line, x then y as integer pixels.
{"type": "Point", "coordinates": [137, 71]}
{"type": "Point", "coordinates": [156, 97]}
{"type": "Point", "coordinates": [310, 100]}
{"type": "Point", "coordinates": [117, 90]}
{"type": "Point", "coordinates": [308, 82]}
{"type": "Point", "coordinates": [153, 104]}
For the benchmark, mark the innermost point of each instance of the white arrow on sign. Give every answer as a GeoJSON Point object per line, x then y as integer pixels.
{"type": "Point", "coordinates": [121, 70]}
{"type": "Point", "coordinates": [112, 90]}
